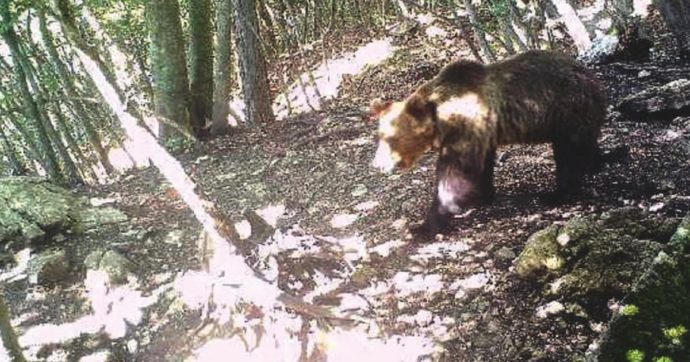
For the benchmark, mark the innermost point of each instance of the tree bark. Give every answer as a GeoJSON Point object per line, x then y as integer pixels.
{"type": "Point", "coordinates": [479, 32]}
{"type": "Point", "coordinates": [9, 337]}
{"type": "Point", "coordinates": [200, 64]}
{"type": "Point", "coordinates": [255, 88]}
{"type": "Point", "coordinates": [576, 29]}
{"type": "Point", "coordinates": [66, 79]}
{"type": "Point", "coordinates": [168, 65]}
{"type": "Point", "coordinates": [269, 26]}
{"type": "Point", "coordinates": [18, 167]}
{"type": "Point", "coordinates": [48, 158]}
{"type": "Point", "coordinates": [223, 71]}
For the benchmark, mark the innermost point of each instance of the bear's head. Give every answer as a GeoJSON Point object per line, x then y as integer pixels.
{"type": "Point", "coordinates": [406, 130]}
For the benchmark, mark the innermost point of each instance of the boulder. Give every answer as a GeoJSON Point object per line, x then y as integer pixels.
{"type": "Point", "coordinates": [49, 267]}
{"type": "Point", "coordinates": [653, 321]}
{"type": "Point", "coordinates": [669, 99]}
{"type": "Point", "coordinates": [114, 264]}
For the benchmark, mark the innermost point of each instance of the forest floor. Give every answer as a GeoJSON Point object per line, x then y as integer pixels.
{"type": "Point", "coordinates": [312, 173]}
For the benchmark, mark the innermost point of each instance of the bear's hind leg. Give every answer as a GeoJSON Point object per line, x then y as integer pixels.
{"type": "Point", "coordinates": [575, 155]}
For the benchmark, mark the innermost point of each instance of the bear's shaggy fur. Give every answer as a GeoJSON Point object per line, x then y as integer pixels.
{"type": "Point", "coordinates": [470, 109]}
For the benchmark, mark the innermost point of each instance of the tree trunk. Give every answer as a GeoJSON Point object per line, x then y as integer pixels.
{"type": "Point", "coordinates": [269, 26]}
{"type": "Point", "coordinates": [67, 82]}
{"type": "Point", "coordinates": [9, 337]}
{"type": "Point", "coordinates": [30, 145]}
{"type": "Point", "coordinates": [168, 65]}
{"type": "Point", "coordinates": [65, 14]}
{"type": "Point", "coordinates": [70, 169]}
{"type": "Point", "coordinates": [223, 71]}
{"type": "Point", "coordinates": [48, 158]}
{"type": "Point", "coordinates": [576, 29]}
{"type": "Point", "coordinates": [18, 167]}
{"type": "Point", "coordinates": [479, 32]}
{"type": "Point", "coordinates": [200, 64]}
{"type": "Point", "coordinates": [257, 96]}
{"type": "Point", "coordinates": [85, 170]}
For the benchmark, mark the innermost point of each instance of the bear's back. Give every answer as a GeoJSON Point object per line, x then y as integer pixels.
{"type": "Point", "coordinates": [531, 97]}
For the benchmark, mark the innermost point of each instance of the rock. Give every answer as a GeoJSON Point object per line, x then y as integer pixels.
{"type": "Point", "coordinates": [132, 346]}
{"type": "Point", "coordinates": [49, 267]}
{"type": "Point", "coordinates": [92, 218]}
{"type": "Point", "coordinates": [668, 99]}
{"type": "Point", "coordinates": [550, 308]}
{"type": "Point", "coordinates": [359, 190]}
{"type": "Point", "coordinates": [34, 212]}
{"type": "Point", "coordinates": [39, 202]}
{"type": "Point", "coordinates": [505, 254]}
{"type": "Point", "coordinates": [114, 264]}
{"type": "Point", "coordinates": [660, 301]}
{"type": "Point", "coordinates": [541, 253]}
{"type": "Point", "coordinates": [601, 50]}
{"type": "Point", "coordinates": [597, 256]}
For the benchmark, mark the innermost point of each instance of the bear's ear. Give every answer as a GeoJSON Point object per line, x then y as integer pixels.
{"type": "Point", "coordinates": [418, 106]}
{"type": "Point", "coordinates": [378, 106]}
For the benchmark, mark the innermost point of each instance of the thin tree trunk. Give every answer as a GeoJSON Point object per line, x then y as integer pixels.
{"type": "Point", "coordinates": [65, 14]}
{"type": "Point", "coordinates": [70, 90]}
{"type": "Point", "coordinates": [47, 155]}
{"type": "Point", "coordinates": [29, 140]}
{"type": "Point", "coordinates": [479, 32]}
{"type": "Point", "coordinates": [223, 71]}
{"type": "Point", "coordinates": [70, 169]}
{"type": "Point", "coordinates": [576, 29]}
{"type": "Point", "coordinates": [404, 11]}
{"type": "Point", "coordinates": [257, 96]}
{"type": "Point", "coordinates": [168, 65]}
{"type": "Point", "coordinates": [517, 26]}
{"type": "Point", "coordinates": [9, 337]}
{"type": "Point", "coordinates": [200, 64]}
{"type": "Point", "coordinates": [269, 27]}
{"type": "Point", "coordinates": [85, 170]}
{"type": "Point", "coordinates": [18, 167]}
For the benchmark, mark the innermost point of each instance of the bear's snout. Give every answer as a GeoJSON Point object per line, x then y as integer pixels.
{"type": "Point", "coordinates": [386, 159]}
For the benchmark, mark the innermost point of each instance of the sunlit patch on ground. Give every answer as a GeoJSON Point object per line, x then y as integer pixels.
{"type": "Point", "coordinates": [272, 213]}
{"type": "Point", "coordinates": [342, 221]}
{"type": "Point", "coordinates": [322, 83]}
{"type": "Point", "coordinates": [113, 310]}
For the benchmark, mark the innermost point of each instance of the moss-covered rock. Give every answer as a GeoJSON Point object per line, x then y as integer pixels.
{"type": "Point", "coordinates": [32, 211]}
{"type": "Point", "coordinates": [542, 253]}
{"type": "Point", "coordinates": [659, 326]}
{"type": "Point", "coordinates": [91, 218]}
{"type": "Point", "coordinates": [114, 264]}
{"type": "Point", "coordinates": [49, 267]}
{"type": "Point", "coordinates": [630, 256]}
{"type": "Point", "coordinates": [39, 202]}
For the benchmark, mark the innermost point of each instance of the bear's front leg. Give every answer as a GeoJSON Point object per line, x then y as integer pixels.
{"type": "Point", "coordinates": [460, 183]}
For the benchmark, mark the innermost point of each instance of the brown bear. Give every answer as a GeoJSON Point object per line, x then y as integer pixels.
{"type": "Point", "coordinates": [470, 109]}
